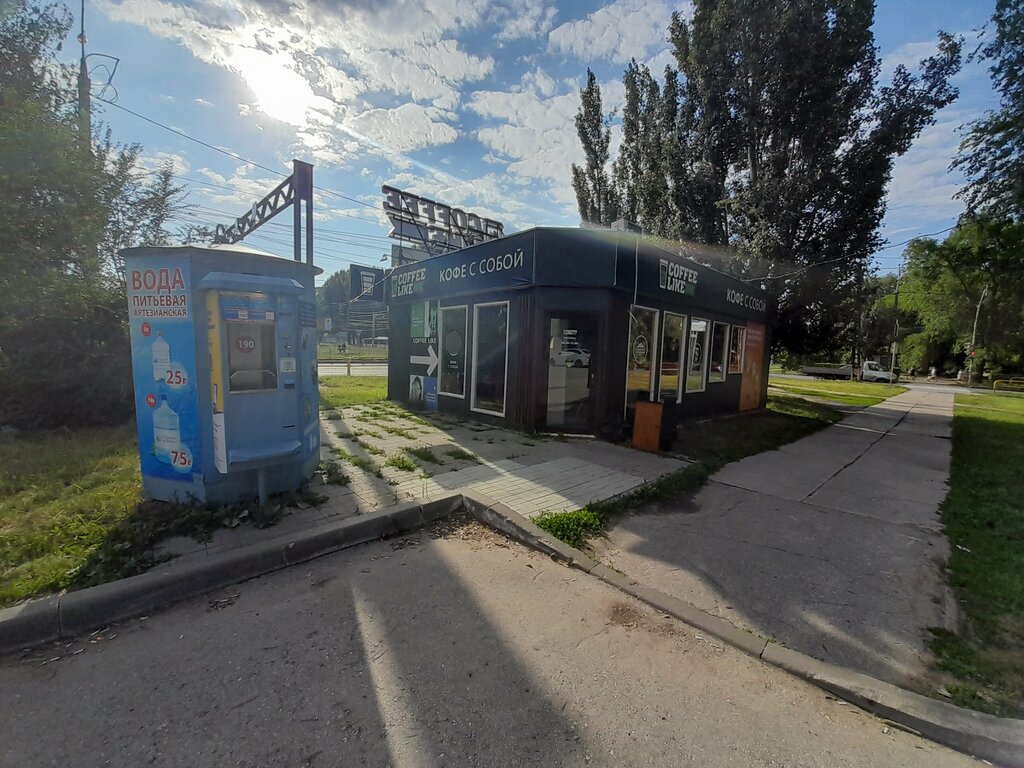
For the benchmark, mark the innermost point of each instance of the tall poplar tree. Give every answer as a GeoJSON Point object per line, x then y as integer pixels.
{"type": "Point", "coordinates": [783, 146]}
{"type": "Point", "coordinates": [598, 203]}
{"type": "Point", "coordinates": [992, 153]}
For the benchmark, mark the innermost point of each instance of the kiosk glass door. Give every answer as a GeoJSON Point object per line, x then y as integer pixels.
{"type": "Point", "coordinates": [572, 341]}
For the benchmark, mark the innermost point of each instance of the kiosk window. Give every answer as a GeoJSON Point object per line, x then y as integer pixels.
{"type": "Point", "coordinates": [696, 356]}
{"type": "Point", "coordinates": [490, 357]}
{"type": "Point", "coordinates": [252, 356]}
{"type": "Point", "coordinates": [739, 334]}
{"type": "Point", "coordinates": [453, 351]}
{"type": "Point", "coordinates": [671, 353]}
{"type": "Point", "coordinates": [643, 335]}
{"type": "Point", "coordinates": [719, 346]}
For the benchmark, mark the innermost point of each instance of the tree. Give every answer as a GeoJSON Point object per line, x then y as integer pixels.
{"type": "Point", "coordinates": [66, 206]}
{"type": "Point", "coordinates": [992, 152]}
{"type": "Point", "coordinates": [333, 293]}
{"type": "Point", "coordinates": [782, 146]}
{"type": "Point", "coordinates": [947, 281]}
{"type": "Point", "coordinates": [594, 194]}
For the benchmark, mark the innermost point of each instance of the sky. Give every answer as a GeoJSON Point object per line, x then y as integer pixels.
{"type": "Point", "coordinates": [468, 102]}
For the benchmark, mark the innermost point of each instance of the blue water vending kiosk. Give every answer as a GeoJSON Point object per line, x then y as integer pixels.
{"type": "Point", "coordinates": [224, 354]}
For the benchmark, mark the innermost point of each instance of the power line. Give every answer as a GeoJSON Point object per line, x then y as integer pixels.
{"type": "Point", "coordinates": [843, 258]}
{"type": "Point", "coordinates": [229, 153]}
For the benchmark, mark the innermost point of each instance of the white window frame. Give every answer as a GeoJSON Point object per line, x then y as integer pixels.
{"type": "Point", "coordinates": [743, 349]}
{"type": "Point", "coordinates": [655, 354]}
{"type": "Point", "coordinates": [476, 344]}
{"type": "Point", "coordinates": [707, 357]}
{"type": "Point", "coordinates": [682, 353]}
{"type": "Point", "coordinates": [440, 346]}
{"type": "Point", "coordinates": [725, 352]}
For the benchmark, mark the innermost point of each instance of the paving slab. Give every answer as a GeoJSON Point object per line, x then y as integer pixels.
{"type": "Point", "coordinates": [831, 545]}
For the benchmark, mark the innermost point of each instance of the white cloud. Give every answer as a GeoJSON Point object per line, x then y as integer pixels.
{"type": "Point", "coordinates": [316, 66]}
{"type": "Point", "coordinates": [922, 187]}
{"type": "Point", "coordinates": [402, 129]}
{"type": "Point", "coordinates": [203, 102]}
{"type": "Point", "coordinates": [619, 31]}
{"type": "Point", "coordinates": [524, 19]}
{"type": "Point", "coordinates": [150, 161]}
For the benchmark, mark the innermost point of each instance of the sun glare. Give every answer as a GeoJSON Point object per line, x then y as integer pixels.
{"type": "Point", "coordinates": [281, 92]}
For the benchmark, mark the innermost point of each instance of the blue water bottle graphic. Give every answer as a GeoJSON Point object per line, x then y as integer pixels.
{"type": "Point", "coordinates": [166, 432]}
{"type": "Point", "coordinates": [161, 357]}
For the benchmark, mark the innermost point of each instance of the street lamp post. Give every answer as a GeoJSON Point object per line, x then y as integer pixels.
{"type": "Point", "coordinates": [974, 337]}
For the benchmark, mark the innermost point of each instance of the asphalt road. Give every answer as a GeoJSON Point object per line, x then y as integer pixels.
{"type": "Point", "coordinates": [420, 652]}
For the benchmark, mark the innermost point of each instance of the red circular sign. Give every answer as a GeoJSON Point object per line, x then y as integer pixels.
{"type": "Point", "coordinates": [151, 400]}
{"type": "Point", "coordinates": [146, 329]}
{"type": "Point", "coordinates": [245, 343]}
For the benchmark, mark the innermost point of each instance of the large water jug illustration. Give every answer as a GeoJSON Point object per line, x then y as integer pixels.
{"type": "Point", "coordinates": [161, 357]}
{"type": "Point", "coordinates": [166, 432]}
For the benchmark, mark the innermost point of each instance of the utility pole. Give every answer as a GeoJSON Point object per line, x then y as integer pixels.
{"type": "Point", "coordinates": [974, 337]}
{"type": "Point", "coordinates": [84, 90]}
{"type": "Point", "coordinates": [896, 329]}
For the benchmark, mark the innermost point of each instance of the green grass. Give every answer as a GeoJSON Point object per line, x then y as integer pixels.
{"type": "Point", "coordinates": [361, 462]}
{"type": "Point", "coordinates": [341, 391]}
{"type": "Point", "coordinates": [402, 462]}
{"type": "Point", "coordinates": [397, 431]}
{"type": "Point", "coordinates": [983, 516]}
{"type": "Point", "coordinates": [861, 393]}
{"type": "Point", "coordinates": [333, 473]}
{"type": "Point", "coordinates": [423, 454]}
{"type": "Point", "coordinates": [60, 495]}
{"type": "Point", "coordinates": [71, 514]}
{"type": "Point", "coordinates": [370, 448]}
{"type": "Point", "coordinates": [461, 454]}
{"type": "Point", "coordinates": [711, 445]}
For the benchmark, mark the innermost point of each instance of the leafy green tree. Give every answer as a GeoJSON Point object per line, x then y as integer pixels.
{"type": "Point", "coordinates": [782, 146]}
{"type": "Point", "coordinates": [595, 196]}
{"type": "Point", "coordinates": [992, 152]}
{"type": "Point", "coordinates": [946, 282]}
{"type": "Point", "coordinates": [67, 204]}
{"type": "Point", "coordinates": [333, 293]}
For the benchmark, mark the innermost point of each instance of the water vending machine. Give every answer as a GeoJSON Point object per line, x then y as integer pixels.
{"type": "Point", "coordinates": [224, 354]}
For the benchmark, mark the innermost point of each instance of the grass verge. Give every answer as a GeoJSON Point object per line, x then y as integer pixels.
{"type": "Point", "coordinates": [71, 514]}
{"type": "Point", "coordinates": [862, 393]}
{"type": "Point", "coordinates": [711, 445]}
{"type": "Point", "coordinates": [341, 391]}
{"type": "Point", "coordinates": [984, 520]}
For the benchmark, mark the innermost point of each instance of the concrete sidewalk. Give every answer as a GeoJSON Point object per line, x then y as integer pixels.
{"type": "Point", "coordinates": [831, 545]}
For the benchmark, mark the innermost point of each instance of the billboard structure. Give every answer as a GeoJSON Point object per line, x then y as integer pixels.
{"type": "Point", "coordinates": [436, 227]}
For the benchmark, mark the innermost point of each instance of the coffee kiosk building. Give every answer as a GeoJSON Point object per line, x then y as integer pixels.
{"type": "Point", "coordinates": [564, 330]}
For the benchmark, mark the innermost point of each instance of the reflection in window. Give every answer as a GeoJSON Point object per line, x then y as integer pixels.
{"type": "Point", "coordinates": [453, 351]}
{"type": "Point", "coordinates": [490, 357]}
{"type": "Point", "coordinates": [719, 343]}
{"type": "Point", "coordinates": [643, 329]}
{"type": "Point", "coordinates": [671, 354]}
{"type": "Point", "coordinates": [739, 334]}
{"type": "Point", "coordinates": [252, 356]}
{"type": "Point", "coordinates": [696, 356]}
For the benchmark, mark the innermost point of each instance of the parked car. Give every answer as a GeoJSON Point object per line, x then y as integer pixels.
{"type": "Point", "coordinates": [872, 371]}
{"type": "Point", "coordinates": [572, 357]}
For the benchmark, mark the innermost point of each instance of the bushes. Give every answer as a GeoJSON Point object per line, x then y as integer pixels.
{"type": "Point", "coordinates": [67, 364]}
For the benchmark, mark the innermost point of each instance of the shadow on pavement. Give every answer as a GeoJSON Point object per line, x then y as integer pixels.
{"type": "Point", "coordinates": [842, 562]}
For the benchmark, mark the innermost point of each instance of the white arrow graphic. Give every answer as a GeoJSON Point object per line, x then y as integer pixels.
{"type": "Point", "coordinates": [429, 360]}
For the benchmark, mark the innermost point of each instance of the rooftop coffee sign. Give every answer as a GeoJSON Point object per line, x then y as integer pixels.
{"type": "Point", "coordinates": [420, 220]}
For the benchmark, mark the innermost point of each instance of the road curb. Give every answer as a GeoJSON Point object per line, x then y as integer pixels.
{"type": "Point", "coordinates": [999, 740]}
{"type": "Point", "coordinates": [64, 616]}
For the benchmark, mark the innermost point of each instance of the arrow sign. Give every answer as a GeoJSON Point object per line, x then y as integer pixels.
{"type": "Point", "coordinates": [429, 360]}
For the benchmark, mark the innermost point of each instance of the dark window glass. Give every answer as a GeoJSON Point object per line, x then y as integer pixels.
{"type": "Point", "coordinates": [490, 346]}
{"type": "Point", "coordinates": [252, 356]}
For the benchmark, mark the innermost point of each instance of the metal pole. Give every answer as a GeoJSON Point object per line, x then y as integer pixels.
{"type": "Point", "coordinates": [84, 88]}
{"type": "Point", "coordinates": [896, 329]}
{"type": "Point", "coordinates": [974, 337]}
